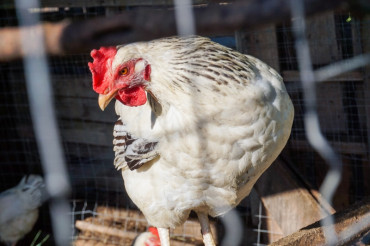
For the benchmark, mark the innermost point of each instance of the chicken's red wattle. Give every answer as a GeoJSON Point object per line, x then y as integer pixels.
{"type": "Point", "coordinates": [132, 97]}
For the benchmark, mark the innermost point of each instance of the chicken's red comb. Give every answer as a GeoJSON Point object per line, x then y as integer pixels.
{"type": "Point", "coordinates": [100, 67]}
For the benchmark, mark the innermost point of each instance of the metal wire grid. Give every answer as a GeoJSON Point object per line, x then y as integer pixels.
{"type": "Point", "coordinates": [75, 65]}
{"type": "Point", "coordinates": [260, 229]}
{"type": "Point", "coordinates": [341, 112]}
{"type": "Point", "coordinates": [349, 104]}
{"type": "Point", "coordinates": [82, 210]}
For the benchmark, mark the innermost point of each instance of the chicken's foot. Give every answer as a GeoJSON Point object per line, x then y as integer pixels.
{"type": "Point", "coordinates": [164, 236]}
{"type": "Point", "coordinates": [206, 230]}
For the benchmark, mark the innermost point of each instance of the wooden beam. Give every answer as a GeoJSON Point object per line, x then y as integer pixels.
{"type": "Point", "coordinates": [365, 33]}
{"type": "Point", "coordinates": [90, 151]}
{"type": "Point", "coordinates": [288, 200]}
{"type": "Point", "coordinates": [293, 76]}
{"type": "Point", "coordinates": [78, 87]}
{"type": "Point", "coordinates": [84, 109]}
{"type": "Point", "coordinates": [351, 224]}
{"type": "Point", "coordinates": [341, 147]}
{"type": "Point", "coordinates": [146, 24]}
{"type": "Point", "coordinates": [94, 133]}
{"type": "Point", "coordinates": [322, 40]}
{"type": "Point", "coordinates": [261, 44]}
{"type": "Point", "coordinates": [102, 229]}
{"type": "Point", "coordinates": [107, 3]}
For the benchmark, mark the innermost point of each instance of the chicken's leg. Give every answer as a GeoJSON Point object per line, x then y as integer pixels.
{"type": "Point", "coordinates": [164, 236]}
{"type": "Point", "coordinates": [206, 230]}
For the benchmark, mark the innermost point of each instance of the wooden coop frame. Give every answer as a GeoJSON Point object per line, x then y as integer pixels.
{"type": "Point", "coordinates": [290, 211]}
{"type": "Point", "coordinates": [302, 204]}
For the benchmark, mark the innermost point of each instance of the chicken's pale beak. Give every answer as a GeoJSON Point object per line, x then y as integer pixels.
{"type": "Point", "coordinates": [104, 99]}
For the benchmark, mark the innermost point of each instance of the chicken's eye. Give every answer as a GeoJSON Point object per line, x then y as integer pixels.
{"type": "Point", "coordinates": [123, 71]}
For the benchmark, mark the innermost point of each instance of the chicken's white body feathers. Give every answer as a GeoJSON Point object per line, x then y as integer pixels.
{"type": "Point", "coordinates": [217, 132]}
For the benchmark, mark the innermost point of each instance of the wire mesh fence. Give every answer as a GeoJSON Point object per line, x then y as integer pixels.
{"type": "Point", "coordinates": [342, 108]}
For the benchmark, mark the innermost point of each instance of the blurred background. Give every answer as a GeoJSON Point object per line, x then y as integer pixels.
{"type": "Point", "coordinates": [285, 199]}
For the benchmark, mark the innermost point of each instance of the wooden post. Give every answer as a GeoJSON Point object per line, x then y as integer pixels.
{"type": "Point", "coordinates": [351, 225]}
{"type": "Point", "coordinates": [320, 32]}
{"type": "Point", "coordinates": [366, 49]}
{"type": "Point", "coordinates": [261, 44]}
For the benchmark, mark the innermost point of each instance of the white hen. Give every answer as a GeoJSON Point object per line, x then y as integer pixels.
{"type": "Point", "coordinates": [199, 123]}
{"type": "Point", "coordinates": [19, 208]}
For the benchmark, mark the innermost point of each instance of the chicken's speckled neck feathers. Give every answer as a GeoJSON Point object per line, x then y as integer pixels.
{"type": "Point", "coordinates": [183, 66]}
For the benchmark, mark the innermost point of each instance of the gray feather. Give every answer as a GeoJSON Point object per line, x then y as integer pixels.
{"type": "Point", "coordinates": [130, 150]}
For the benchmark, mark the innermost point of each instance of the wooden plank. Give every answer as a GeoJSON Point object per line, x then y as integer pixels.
{"type": "Point", "coordinates": [99, 134]}
{"type": "Point", "coordinates": [365, 31]}
{"type": "Point", "coordinates": [355, 76]}
{"type": "Point", "coordinates": [89, 151]}
{"type": "Point", "coordinates": [270, 230]}
{"type": "Point", "coordinates": [366, 170]}
{"type": "Point", "coordinates": [252, 221]}
{"type": "Point", "coordinates": [74, 87]}
{"type": "Point", "coordinates": [320, 32]}
{"type": "Point", "coordinates": [365, 34]}
{"type": "Point", "coordinates": [76, 100]}
{"type": "Point", "coordinates": [190, 227]}
{"type": "Point", "coordinates": [330, 109]}
{"type": "Point", "coordinates": [66, 37]}
{"type": "Point", "coordinates": [87, 109]}
{"type": "Point", "coordinates": [341, 147]}
{"type": "Point", "coordinates": [287, 200]}
{"type": "Point", "coordinates": [357, 216]}
{"type": "Point", "coordinates": [356, 36]}
{"type": "Point", "coordinates": [94, 3]}
{"type": "Point", "coordinates": [109, 213]}
{"type": "Point", "coordinates": [261, 44]}
{"type": "Point", "coordinates": [101, 229]}
{"type": "Point", "coordinates": [275, 232]}
{"type": "Point", "coordinates": [342, 196]}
